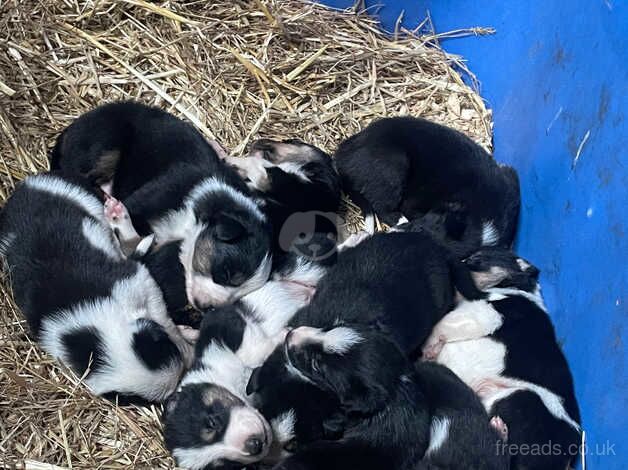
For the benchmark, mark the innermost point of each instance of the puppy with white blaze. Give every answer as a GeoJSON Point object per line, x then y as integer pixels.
{"type": "Point", "coordinates": [385, 413]}
{"type": "Point", "coordinates": [487, 344]}
{"type": "Point", "coordinates": [209, 422]}
{"type": "Point", "coordinates": [160, 172]}
{"type": "Point", "coordinates": [437, 179]}
{"type": "Point", "coordinates": [91, 308]}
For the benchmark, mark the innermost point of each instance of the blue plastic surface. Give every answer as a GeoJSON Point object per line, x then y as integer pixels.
{"type": "Point", "coordinates": [556, 76]}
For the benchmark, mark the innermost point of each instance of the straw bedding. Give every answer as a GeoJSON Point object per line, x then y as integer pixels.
{"type": "Point", "coordinates": [236, 69]}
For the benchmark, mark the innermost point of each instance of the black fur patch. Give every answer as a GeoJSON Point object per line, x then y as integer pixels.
{"type": "Point", "coordinates": [82, 346]}
{"type": "Point", "coordinates": [153, 345]}
{"type": "Point", "coordinates": [224, 325]}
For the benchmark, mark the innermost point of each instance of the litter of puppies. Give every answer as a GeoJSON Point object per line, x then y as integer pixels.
{"type": "Point", "coordinates": [385, 350]}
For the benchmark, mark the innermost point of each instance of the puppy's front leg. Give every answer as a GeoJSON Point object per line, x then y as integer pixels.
{"type": "Point", "coordinates": [119, 220]}
{"type": "Point", "coordinates": [469, 320]}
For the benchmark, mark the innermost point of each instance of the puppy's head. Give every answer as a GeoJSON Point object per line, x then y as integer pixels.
{"type": "Point", "coordinates": [360, 366]}
{"type": "Point", "coordinates": [227, 253]}
{"type": "Point", "coordinates": [206, 426]}
{"type": "Point", "coordinates": [500, 267]}
{"type": "Point", "coordinates": [299, 411]}
{"type": "Point", "coordinates": [290, 150]}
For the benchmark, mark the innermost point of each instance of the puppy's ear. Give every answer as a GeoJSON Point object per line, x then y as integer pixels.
{"type": "Point", "coordinates": [364, 399]}
{"type": "Point", "coordinates": [228, 229]}
{"type": "Point", "coordinates": [253, 386]}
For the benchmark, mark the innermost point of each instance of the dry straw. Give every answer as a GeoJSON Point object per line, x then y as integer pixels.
{"type": "Point", "coordinates": [237, 70]}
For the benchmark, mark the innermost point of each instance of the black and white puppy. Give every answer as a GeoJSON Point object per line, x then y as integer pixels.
{"type": "Point", "coordinates": [386, 416]}
{"type": "Point", "coordinates": [291, 285]}
{"type": "Point", "coordinates": [403, 283]}
{"type": "Point", "coordinates": [172, 184]}
{"type": "Point", "coordinates": [529, 385]}
{"type": "Point", "coordinates": [299, 412]}
{"type": "Point", "coordinates": [300, 188]}
{"type": "Point", "coordinates": [233, 340]}
{"type": "Point", "coordinates": [209, 422]}
{"type": "Point", "coordinates": [91, 308]}
{"type": "Point", "coordinates": [461, 435]}
{"type": "Point", "coordinates": [435, 177]}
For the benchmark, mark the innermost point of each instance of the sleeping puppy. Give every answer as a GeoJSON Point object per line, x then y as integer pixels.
{"type": "Point", "coordinates": [290, 287]}
{"type": "Point", "coordinates": [298, 411]}
{"type": "Point", "coordinates": [385, 412]}
{"type": "Point", "coordinates": [299, 186]}
{"type": "Point", "coordinates": [461, 435]}
{"type": "Point", "coordinates": [531, 388]}
{"type": "Point", "coordinates": [162, 173]}
{"type": "Point", "coordinates": [305, 418]}
{"type": "Point", "coordinates": [91, 308]}
{"type": "Point", "coordinates": [408, 168]}
{"type": "Point", "coordinates": [401, 282]}
{"type": "Point", "coordinates": [209, 422]}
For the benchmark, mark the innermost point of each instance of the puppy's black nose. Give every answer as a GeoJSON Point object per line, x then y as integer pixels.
{"type": "Point", "coordinates": [254, 446]}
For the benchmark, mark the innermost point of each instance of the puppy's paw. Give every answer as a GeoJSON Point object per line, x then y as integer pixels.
{"type": "Point", "coordinates": [115, 211]}
{"type": "Point", "coordinates": [502, 428]}
{"type": "Point", "coordinates": [433, 346]}
{"type": "Point", "coordinates": [189, 334]}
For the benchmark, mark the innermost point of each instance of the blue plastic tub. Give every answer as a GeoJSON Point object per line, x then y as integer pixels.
{"type": "Point", "coordinates": [556, 76]}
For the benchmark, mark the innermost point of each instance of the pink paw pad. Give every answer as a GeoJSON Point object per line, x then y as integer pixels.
{"type": "Point", "coordinates": [433, 349]}
{"type": "Point", "coordinates": [502, 428]}
{"type": "Point", "coordinates": [115, 211]}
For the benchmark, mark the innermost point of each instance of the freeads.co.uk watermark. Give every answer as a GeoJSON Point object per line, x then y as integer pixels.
{"type": "Point", "coordinates": [550, 448]}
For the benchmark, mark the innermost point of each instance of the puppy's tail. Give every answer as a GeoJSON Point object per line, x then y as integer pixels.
{"type": "Point", "coordinates": [463, 281]}
{"type": "Point", "coordinates": [366, 209]}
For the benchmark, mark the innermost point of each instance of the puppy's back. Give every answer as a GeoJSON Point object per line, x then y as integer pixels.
{"type": "Point", "coordinates": [56, 249]}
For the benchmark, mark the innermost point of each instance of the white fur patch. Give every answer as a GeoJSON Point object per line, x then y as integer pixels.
{"type": "Point", "coordinates": [474, 360]}
{"type": "Point", "coordinates": [256, 345]}
{"type": "Point", "coordinates": [439, 432]}
{"type": "Point", "coordinates": [335, 341]}
{"type": "Point", "coordinates": [490, 235]}
{"type": "Point", "coordinates": [101, 238]}
{"type": "Point", "coordinates": [174, 225]}
{"type": "Point", "coordinates": [114, 318]}
{"type": "Point", "coordinates": [283, 426]}
{"type": "Point", "coordinates": [353, 240]}
{"type": "Point", "coordinates": [61, 188]}
{"type": "Point", "coordinates": [339, 340]}
{"type": "Point", "coordinates": [276, 302]}
{"type": "Point", "coordinates": [220, 366]}
{"type": "Point", "coordinates": [402, 220]}
{"type": "Point", "coordinates": [469, 320]}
